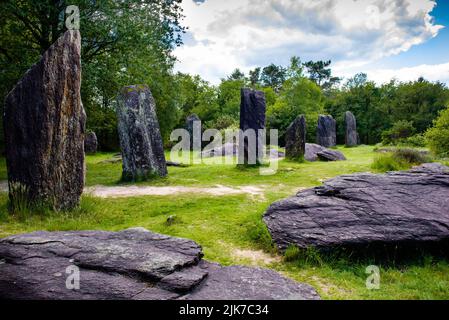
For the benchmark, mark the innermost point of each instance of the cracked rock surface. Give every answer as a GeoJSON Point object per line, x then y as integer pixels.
{"type": "Point", "coordinates": [315, 152]}
{"type": "Point", "coordinates": [131, 264]}
{"type": "Point", "coordinates": [407, 207]}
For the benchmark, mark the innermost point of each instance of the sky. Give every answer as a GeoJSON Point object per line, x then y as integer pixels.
{"type": "Point", "coordinates": [402, 39]}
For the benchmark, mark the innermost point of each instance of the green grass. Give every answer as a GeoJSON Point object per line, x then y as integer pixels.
{"type": "Point", "coordinates": [229, 225]}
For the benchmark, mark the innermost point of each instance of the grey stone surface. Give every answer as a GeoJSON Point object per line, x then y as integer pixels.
{"type": "Point", "coordinates": [131, 264]}
{"type": "Point", "coordinates": [326, 134]}
{"type": "Point", "coordinates": [315, 152]}
{"type": "Point", "coordinates": [90, 143]}
{"type": "Point", "coordinates": [44, 123]}
{"type": "Point", "coordinates": [244, 283]}
{"type": "Point", "coordinates": [227, 149]}
{"type": "Point", "coordinates": [351, 137]}
{"type": "Point", "coordinates": [190, 122]}
{"type": "Point", "coordinates": [252, 116]}
{"type": "Point", "coordinates": [295, 139]}
{"type": "Point", "coordinates": [139, 133]}
{"type": "Point", "coordinates": [408, 207]}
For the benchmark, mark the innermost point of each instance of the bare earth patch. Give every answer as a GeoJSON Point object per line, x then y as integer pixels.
{"type": "Point", "coordinates": [256, 257]}
{"type": "Point", "coordinates": [135, 191]}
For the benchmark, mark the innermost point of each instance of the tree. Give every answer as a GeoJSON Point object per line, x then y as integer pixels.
{"type": "Point", "coordinates": [254, 77]}
{"type": "Point", "coordinates": [196, 96]}
{"type": "Point", "coordinates": [438, 135]}
{"type": "Point", "coordinates": [296, 69]}
{"type": "Point", "coordinates": [123, 42]}
{"type": "Point", "coordinates": [321, 74]}
{"type": "Point", "coordinates": [400, 130]}
{"type": "Point", "coordinates": [237, 75]}
{"type": "Point", "coordinates": [297, 96]}
{"type": "Point", "coordinates": [273, 76]}
{"type": "Point", "coordinates": [356, 81]}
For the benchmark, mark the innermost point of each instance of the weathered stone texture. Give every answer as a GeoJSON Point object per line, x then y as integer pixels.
{"type": "Point", "coordinates": [139, 133]}
{"type": "Point", "coordinates": [295, 139]}
{"type": "Point", "coordinates": [131, 264]}
{"type": "Point", "coordinates": [397, 208]}
{"type": "Point", "coordinates": [90, 143]}
{"type": "Point", "coordinates": [315, 152]}
{"type": "Point", "coordinates": [351, 137]}
{"type": "Point", "coordinates": [44, 123]}
{"type": "Point", "coordinates": [252, 116]}
{"type": "Point", "coordinates": [326, 131]}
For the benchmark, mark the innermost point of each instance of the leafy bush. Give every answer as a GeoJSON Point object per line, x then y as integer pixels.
{"type": "Point", "coordinates": [400, 131]}
{"type": "Point", "coordinates": [411, 156]}
{"type": "Point", "coordinates": [438, 136]}
{"type": "Point", "coordinates": [400, 159]}
{"type": "Point", "coordinates": [387, 162]}
{"type": "Point", "coordinates": [417, 141]}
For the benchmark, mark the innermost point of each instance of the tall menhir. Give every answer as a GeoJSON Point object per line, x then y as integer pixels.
{"type": "Point", "coordinates": [252, 126]}
{"type": "Point", "coordinates": [44, 125]}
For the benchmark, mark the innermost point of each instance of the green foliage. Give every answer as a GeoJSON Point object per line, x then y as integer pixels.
{"type": "Point", "coordinates": [297, 96]}
{"type": "Point", "coordinates": [229, 92]}
{"type": "Point", "coordinates": [273, 76]}
{"type": "Point", "coordinates": [400, 131]}
{"type": "Point", "coordinates": [387, 162]}
{"type": "Point", "coordinates": [417, 141]}
{"type": "Point", "coordinates": [123, 43]}
{"type": "Point", "coordinates": [399, 159]}
{"type": "Point", "coordinates": [227, 225]}
{"type": "Point", "coordinates": [438, 135]}
{"type": "Point", "coordinates": [291, 253]}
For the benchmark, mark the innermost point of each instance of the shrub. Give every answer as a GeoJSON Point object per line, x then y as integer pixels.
{"type": "Point", "coordinates": [399, 131]}
{"type": "Point", "coordinates": [387, 162]}
{"type": "Point", "coordinates": [411, 156]}
{"type": "Point", "coordinates": [417, 141]}
{"type": "Point", "coordinates": [438, 136]}
{"type": "Point", "coordinates": [400, 159]}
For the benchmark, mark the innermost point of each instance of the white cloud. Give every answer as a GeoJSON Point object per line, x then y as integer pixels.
{"type": "Point", "coordinates": [248, 33]}
{"type": "Point", "coordinates": [437, 72]}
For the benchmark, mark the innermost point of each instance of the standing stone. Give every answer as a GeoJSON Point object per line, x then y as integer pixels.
{"type": "Point", "coordinates": [351, 138]}
{"type": "Point", "coordinates": [139, 133]}
{"type": "Point", "coordinates": [295, 139]}
{"type": "Point", "coordinates": [44, 124]}
{"type": "Point", "coordinates": [90, 143]}
{"type": "Point", "coordinates": [252, 116]}
{"type": "Point", "coordinates": [194, 122]}
{"type": "Point", "coordinates": [326, 131]}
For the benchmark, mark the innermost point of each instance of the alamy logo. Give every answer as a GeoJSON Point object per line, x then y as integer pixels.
{"type": "Point", "coordinates": [73, 279]}
{"type": "Point", "coordinates": [373, 280]}
{"type": "Point", "coordinates": [72, 22]}
{"type": "Point", "coordinates": [247, 147]}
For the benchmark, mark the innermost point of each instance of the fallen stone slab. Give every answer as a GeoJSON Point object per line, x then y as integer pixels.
{"type": "Point", "coordinates": [131, 264]}
{"type": "Point", "coordinates": [315, 152]}
{"type": "Point", "coordinates": [407, 207]}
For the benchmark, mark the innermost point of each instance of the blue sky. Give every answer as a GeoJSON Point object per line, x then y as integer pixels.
{"type": "Point", "coordinates": [402, 39]}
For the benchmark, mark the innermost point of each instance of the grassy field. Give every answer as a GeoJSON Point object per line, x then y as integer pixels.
{"type": "Point", "coordinates": [230, 228]}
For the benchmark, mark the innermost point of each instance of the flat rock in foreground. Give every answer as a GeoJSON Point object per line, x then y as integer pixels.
{"type": "Point", "coordinates": [408, 207]}
{"type": "Point", "coordinates": [131, 264]}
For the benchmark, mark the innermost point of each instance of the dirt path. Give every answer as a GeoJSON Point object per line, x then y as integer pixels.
{"type": "Point", "coordinates": [135, 191]}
